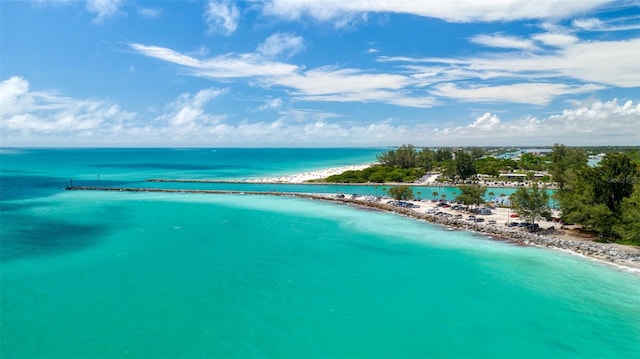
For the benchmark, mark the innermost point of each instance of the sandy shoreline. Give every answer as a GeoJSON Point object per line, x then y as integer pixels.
{"type": "Point", "coordinates": [310, 175]}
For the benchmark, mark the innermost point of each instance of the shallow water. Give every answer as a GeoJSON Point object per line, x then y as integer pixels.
{"type": "Point", "coordinates": [91, 274]}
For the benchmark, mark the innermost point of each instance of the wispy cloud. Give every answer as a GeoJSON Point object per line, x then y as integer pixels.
{"type": "Point", "coordinates": [452, 11]}
{"type": "Point", "coordinates": [615, 24]}
{"type": "Point", "coordinates": [327, 84]}
{"type": "Point", "coordinates": [281, 45]}
{"type": "Point", "coordinates": [221, 16]}
{"type": "Point", "coordinates": [149, 12]}
{"type": "Point", "coordinates": [582, 61]}
{"type": "Point", "coordinates": [103, 9]}
{"type": "Point", "coordinates": [529, 93]}
{"type": "Point", "coordinates": [505, 42]}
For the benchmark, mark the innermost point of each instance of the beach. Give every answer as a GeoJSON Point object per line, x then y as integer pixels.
{"type": "Point", "coordinates": [310, 175]}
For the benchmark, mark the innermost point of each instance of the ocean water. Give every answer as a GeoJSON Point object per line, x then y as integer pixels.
{"type": "Point", "coordinates": [118, 275]}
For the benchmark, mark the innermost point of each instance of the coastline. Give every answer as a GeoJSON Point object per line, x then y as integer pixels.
{"type": "Point", "coordinates": [314, 177]}
{"type": "Point", "coordinates": [623, 257]}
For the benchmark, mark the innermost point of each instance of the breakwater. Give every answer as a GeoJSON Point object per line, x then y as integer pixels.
{"type": "Point", "coordinates": [628, 257]}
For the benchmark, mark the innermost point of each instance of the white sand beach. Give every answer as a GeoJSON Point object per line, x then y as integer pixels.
{"type": "Point", "coordinates": [311, 175]}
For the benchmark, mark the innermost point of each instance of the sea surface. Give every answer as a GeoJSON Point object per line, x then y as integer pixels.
{"type": "Point", "coordinates": [169, 275]}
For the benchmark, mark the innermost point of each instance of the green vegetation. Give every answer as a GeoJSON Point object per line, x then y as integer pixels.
{"type": "Point", "coordinates": [471, 194]}
{"type": "Point", "coordinates": [531, 203]}
{"type": "Point", "coordinates": [401, 192]}
{"type": "Point", "coordinates": [378, 174]}
{"type": "Point", "coordinates": [603, 198]}
{"type": "Point", "coordinates": [566, 162]}
{"type": "Point", "coordinates": [407, 164]}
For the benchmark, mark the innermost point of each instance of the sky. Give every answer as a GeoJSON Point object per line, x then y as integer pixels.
{"type": "Point", "coordinates": [319, 73]}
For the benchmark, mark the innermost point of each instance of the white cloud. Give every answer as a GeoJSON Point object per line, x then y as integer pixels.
{"type": "Point", "coordinates": [598, 123]}
{"type": "Point", "coordinates": [320, 84]}
{"type": "Point", "coordinates": [452, 11]}
{"type": "Point", "coordinates": [486, 122]}
{"type": "Point", "coordinates": [506, 42]}
{"type": "Point", "coordinates": [582, 61]}
{"type": "Point", "coordinates": [587, 24]}
{"type": "Point", "coordinates": [615, 24]}
{"type": "Point", "coordinates": [222, 66]}
{"type": "Point", "coordinates": [103, 9]}
{"type": "Point", "coordinates": [149, 12]}
{"type": "Point", "coordinates": [42, 114]}
{"type": "Point", "coordinates": [187, 112]}
{"type": "Point", "coordinates": [556, 39]}
{"type": "Point", "coordinates": [272, 104]}
{"type": "Point", "coordinates": [281, 45]}
{"type": "Point", "coordinates": [529, 93]}
{"type": "Point", "coordinates": [221, 16]}
{"type": "Point", "coordinates": [31, 118]}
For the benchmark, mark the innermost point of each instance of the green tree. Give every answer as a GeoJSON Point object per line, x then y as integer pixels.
{"type": "Point", "coordinates": [477, 152]}
{"type": "Point", "coordinates": [613, 180]}
{"type": "Point", "coordinates": [593, 197]}
{"type": "Point", "coordinates": [531, 203]}
{"type": "Point", "coordinates": [442, 155]}
{"type": "Point", "coordinates": [425, 159]}
{"type": "Point", "coordinates": [565, 163]}
{"type": "Point", "coordinates": [434, 194]}
{"type": "Point", "coordinates": [464, 165]}
{"type": "Point", "coordinates": [404, 157]}
{"type": "Point", "coordinates": [472, 194]}
{"type": "Point", "coordinates": [629, 227]}
{"type": "Point", "coordinates": [401, 192]}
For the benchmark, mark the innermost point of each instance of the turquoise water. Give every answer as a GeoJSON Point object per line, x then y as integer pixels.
{"type": "Point", "coordinates": [96, 274]}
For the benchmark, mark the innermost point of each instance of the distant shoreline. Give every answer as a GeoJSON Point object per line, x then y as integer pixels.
{"type": "Point", "coordinates": [626, 257]}
{"type": "Point", "coordinates": [315, 177]}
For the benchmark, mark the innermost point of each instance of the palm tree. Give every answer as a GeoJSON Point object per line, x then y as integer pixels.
{"type": "Point", "coordinates": [491, 195]}
{"type": "Point", "coordinates": [419, 194]}
{"type": "Point", "coordinates": [435, 195]}
{"type": "Point", "coordinates": [443, 196]}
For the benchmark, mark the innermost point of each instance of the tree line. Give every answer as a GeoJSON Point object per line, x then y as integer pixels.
{"type": "Point", "coordinates": [604, 199]}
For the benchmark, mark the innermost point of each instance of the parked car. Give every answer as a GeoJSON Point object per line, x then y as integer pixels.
{"type": "Point", "coordinates": [513, 224]}
{"type": "Point", "coordinates": [471, 218]}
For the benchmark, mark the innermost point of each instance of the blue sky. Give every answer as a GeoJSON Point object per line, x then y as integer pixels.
{"type": "Point", "coordinates": [310, 73]}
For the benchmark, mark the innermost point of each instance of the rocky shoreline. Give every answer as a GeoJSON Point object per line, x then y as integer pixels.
{"type": "Point", "coordinates": [627, 257]}
{"type": "Point", "coordinates": [611, 253]}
